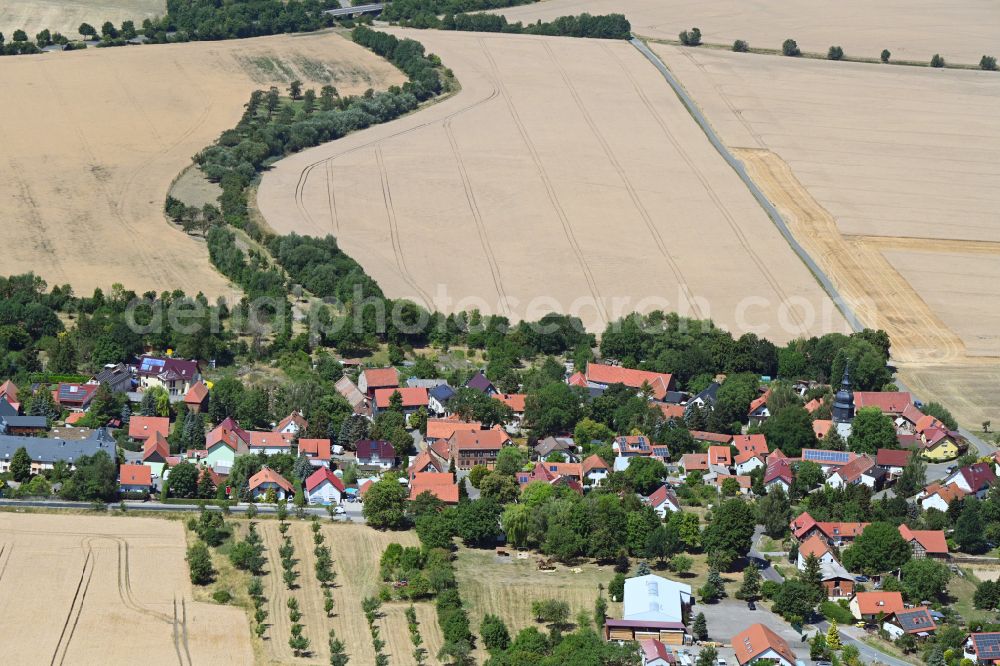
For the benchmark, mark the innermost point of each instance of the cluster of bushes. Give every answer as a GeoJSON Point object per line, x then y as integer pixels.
{"type": "Point", "coordinates": [211, 529]}
{"type": "Point", "coordinates": [404, 566]}
{"type": "Point", "coordinates": [690, 37]}
{"type": "Point", "coordinates": [610, 26]}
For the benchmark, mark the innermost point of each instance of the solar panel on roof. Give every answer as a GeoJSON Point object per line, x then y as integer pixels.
{"type": "Point", "coordinates": [831, 456]}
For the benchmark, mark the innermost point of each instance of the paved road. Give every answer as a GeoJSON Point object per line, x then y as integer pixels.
{"type": "Point", "coordinates": [767, 572]}
{"type": "Point", "coordinates": [353, 509]}
{"type": "Point", "coordinates": [869, 655]}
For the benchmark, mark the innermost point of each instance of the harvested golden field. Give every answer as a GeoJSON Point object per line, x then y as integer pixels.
{"type": "Point", "coordinates": [356, 550]}
{"type": "Point", "coordinates": [565, 176]}
{"type": "Point", "coordinates": [65, 16]}
{"type": "Point", "coordinates": [81, 589]}
{"type": "Point", "coordinates": [961, 30]}
{"type": "Point", "coordinates": [92, 140]}
{"type": "Point", "coordinates": [888, 178]}
{"type": "Point", "coordinates": [507, 588]}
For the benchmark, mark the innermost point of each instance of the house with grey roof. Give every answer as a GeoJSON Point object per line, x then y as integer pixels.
{"type": "Point", "coordinates": [13, 423]}
{"type": "Point", "coordinates": [437, 399]}
{"type": "Point", "coordinates": [46, 451]}
{"type": "Point", "coordinates": [116, 376]}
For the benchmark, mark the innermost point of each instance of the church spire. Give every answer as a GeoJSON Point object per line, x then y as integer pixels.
{"type": "Point", "coordinates": [843, 402]}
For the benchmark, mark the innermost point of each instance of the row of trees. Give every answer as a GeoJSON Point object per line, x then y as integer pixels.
{"type": "Point", "coordinates": [610, 26]}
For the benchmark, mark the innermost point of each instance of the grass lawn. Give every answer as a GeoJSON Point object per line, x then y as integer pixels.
{"type": "Point", "coordinates": [961, 589]}
{"type": "Point", "coordinates": [769, 545]}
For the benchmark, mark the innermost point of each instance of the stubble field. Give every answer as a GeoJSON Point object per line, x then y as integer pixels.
{"type": "Point", "coordinates": [92, 140]}
{"type": "Point", "coordinates": [564, 176]}
{"type": "Point", "coordinates": [960, 30]}
{"type": "Point", "coordinates": [65, 16]}
{"type": "Point", "coordinates": [355, 550]}
{"type": "Point", "coordinates": [888, 178]}
{"type": "Point", "coordinates": [86, 590]}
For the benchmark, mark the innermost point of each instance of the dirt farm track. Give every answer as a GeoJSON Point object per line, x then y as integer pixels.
{"type": "Point", "coordinates": [107, 590]}
{"type": "Point", "coordinates": [92, 140]}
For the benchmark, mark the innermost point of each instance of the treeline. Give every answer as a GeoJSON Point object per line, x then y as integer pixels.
{"type": "Point", "coordinates": [211, 19]}
{"type": "Point", "coordinates": [424, 13]}
{"type": "Point", "coordinates": [610, 26]}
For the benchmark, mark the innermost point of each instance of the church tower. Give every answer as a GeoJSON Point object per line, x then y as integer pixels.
{"type": "Point", "coordinates": [843, 404]}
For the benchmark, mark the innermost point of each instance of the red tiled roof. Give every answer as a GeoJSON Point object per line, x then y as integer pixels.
{"type": "Point", "coordinates": [744, 480]}
{"type": "Point", "coordinates": [671, 411]}
{"type": "Point", "coordinates": [719, 455]}
{"type": "Point", "coordinates": [813, 405]}
{"type": "Point", "coordinates": [802, 524]}
{"type": "Point", "coordinates": [593, 462]}
{"type": "Point", "coordinates": [933, 541]}
{"type": "Point", "coordinates": [441, 448]}
{"type": "Point", "coordinates": [853, 470]}
{"type": "Point", "coordinates": [893, 457]}
{"type": "Point", "coordinates": [426, 461]}
{"type": "Point", "coordinates": [599, 373]}
{"type": "Point", "coordinates": [319, 476]}
{"type": "Point", "coordinates": [821, 428]}
{"type": "Point", "coordinates": [653, 649]}
{"type": "Point", "coordinates": [948, 493]}
{"type": "Point", "coordinates": [156, 444]}
{"type": "Point", "coordinates": [754, 445]}
{"type": "Point", "coordinates": [315, 448]}
{"type": "Point", "coordinates": [412, 397]}
{"type": "Point", "coordinates": [694, 461]}
{"type": "Point", "coordinates": [757, 639]}
{"type": "Point", "coordinates": [266, 439]}
{"type": "Point", "coordinates": [494, 438]}
{"type": "Point", "coordinates": [702, 436]}
{"type": "Point", "coordinates": [926, 422]}
{"type": "Point", "coordinates": [841, 530]}
{"type": "Point", "coordinates": [268, 475]}
{"type": "Point", "coordinates": [814, 545]}
{"type": "Point", "coordinates": [294, 417]}
{"type": "Point", "coordinates": [759, 402]}
{"type": "Point", "coordinates": [779, 469]}
{"type": "Point", "coordinates": [890, 402]}
{"type": "Point", "coordinates": [873, 603]}
{"type": "Point", "coordinates": [74, 417]}
{"type": "Point", "coordinates": [577, 379]}
{"type": "Point", "coordinates": [135, 475]}
{"type": "Point", "coordinates": [912, 414]}
{"type": "Point", "coordinates": [513, 400]}
{"type": "Point", "coordinates": [9, 388]}
{"type": "Point", "coordinates": [196, 394]}
{"type": "Point", "coordinates": [441, 485]}
{"type": "Point", "coordinates": [141, 427]}
{"type": "Point", "coordinates": [978, 475]}
{"type": "Point", "coordinates": [230, 433]}
{"type": "Point", "coordinates": [381, 378]}
{"type": "Point", "coordinates": [661, 495]}
{"type": "Point", "coordinates": [445, 428]}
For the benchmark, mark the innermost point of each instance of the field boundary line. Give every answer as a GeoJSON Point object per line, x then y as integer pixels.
{"type": "Point", "coordinates": [737, 166]}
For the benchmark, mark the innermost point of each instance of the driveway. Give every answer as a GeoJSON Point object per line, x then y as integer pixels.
{"type": "Point", "coordinates": [729, 617]}
{"type": "Point", "coordinates": [767, 572]}
{"type": "Point", "coordinates": [869, 655]}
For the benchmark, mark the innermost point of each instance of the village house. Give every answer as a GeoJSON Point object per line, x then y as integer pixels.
{"type": "Point", "coordinates": [655, 653]}
{"type": "Point", "coordinates": [443, 429]}
{"type": "Point", "coordinates": [155, 451]}
{"type": "Point", "coordinates": [828, 460]}
{"type": "Point", "coordinates": [75, 397]}
{"type": "Point", "coordinates": [8, 392]}
{"type": "Point", "coordinates": [664, 501]}
{"type": "Point", "coordinates": [779, 474]}
{"type": "Point", "coordinates": [319, 451]}
{"type": "Point", "coordinates": [174, 375]}
{"type": "Point", "coordinates": [565, 447]}
{"type": "Point", "coordinates": [439, 484]}
{"type": "Point", "coordinates": [516, 403]}
{"type": "Point", "coordinates": [13, 423]}
{"type": "Point", "coordinates": [411, 399]}
{"type": "Point", "coordinates": [376, 453]}
{"type": "Point", "coordinates": [324, 487]}
{"type": "Point", "coordinates": [869, 606]}
{"type": "Point", "coordinates": [705, 400]}
{"type": "Point", "coordinates": [134, 479]}
{"type": "Point", "coordinates": [631, 446]}
{"type": "Point", "coordinates": [720, 455]}
{"type": "Point", "coordinates": [594, 470]}
{"type": "Point", "coordinates": [359, 403]}
{"type": "Point", "coordinates": [468, 448]}
{"type": "Point", "coordinates": [837, 582]}
{"type": "Point", "coordinates": [292, 425]}
{"type": "Point", "coordinates": [45, 452]}
{"type": "Point", "coordinates": [426, 461]}
{"type": "Point", "coordinates": [267, 479]}
{"type": "Point", "coordinates": [835, 534]}
{"type": "Point", "coordinates": [815, 545]}
{"type": "Point", "coordinates": [601, 376]}
{"type": "Point", "coordinates": [116, 376]}
{"type": "Point", "coordinates": [653, 607]}
{"type": "Point", "coordinates": [373, 379]}
{"type": "Point", "coordinates": [744, 482]}
{"type": "Point", "coordinates": [438, 399]}
{"type": "Point", "coordinates": [711, 438]}
{"type": "Point", "coordinates": [892, 403]}
{"type": "Point", "coordinates": [694, 462]}
{"type": "Point", "coordinates": [751, 453]}
{"type": "Point", "coordinates": [925, 543]}
{"type": "Point", "coordinates": [917, 622]}
{"type": "Point", "coordinates": [983, 649]}
{"type": "Point", "coordinates": [479, 382]}
{"type": "Point", "coordinates": [939, 444]}
{"type": "Point", "coordinates": [973, 479]}
{"type": "Point", "coordinates": [264, 441]}
{"type": "Point", "coordinates": [862, 470]}
{"type": "Point", "coordinates": [141, 428]}
{"type": "Point", "coordinates": [937, 496]}
{"type": "Point", "coordinates": [759, 644]}
{"type": "Point", "coordinates": [758, 409]}
{"type": "Point", "coordinates": [224, 442]}
{"type": "Point", "coordinates": [892, 461]}
{"type": "Point", "coordinates": [196, 398]}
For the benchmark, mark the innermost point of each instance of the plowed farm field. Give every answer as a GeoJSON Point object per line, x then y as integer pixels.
{"type": "Point", "coordinates": [961, 30]}
{"type": "Point", "coordinates": [99, 590]}
{"type": "Point", "coordinates": [565, 176]}
{"type": "Point", "coordinates": [92, 140]}
{"type": "Point", "coordinates": [888, 178]}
